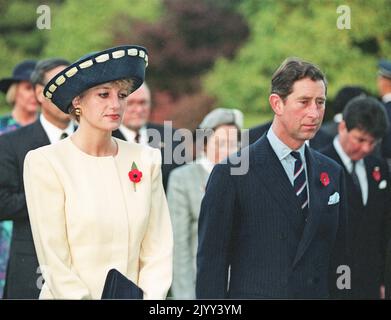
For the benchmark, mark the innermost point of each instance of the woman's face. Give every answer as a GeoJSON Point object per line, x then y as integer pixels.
{"type": "Point", "coordinates": [222, 143]}
{"type": "Point", "coordinates": [102, 106]}
{"type": "Point", "coordinates": [25, 97]}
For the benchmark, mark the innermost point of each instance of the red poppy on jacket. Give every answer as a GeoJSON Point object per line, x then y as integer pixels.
{"type": "Point", "coordinates": [324, 178]}
{"type": "Point", "coordinates": [376, 174]}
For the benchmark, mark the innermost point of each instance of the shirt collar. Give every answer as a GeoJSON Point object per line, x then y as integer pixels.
{"type": "Point", "coordinates": [130, 135]}
{"type": "Point", "coordinates": [53, 132]}
{"type": "Point", "coordinates": [280, 148]}
{"type": "Point", "coordinates": [205, 163]}
{"type": "Point", "coordinates": [387, 97]}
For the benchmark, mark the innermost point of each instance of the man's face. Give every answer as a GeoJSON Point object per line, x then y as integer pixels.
{"type": "Point", "coordinates": [300, 115]}
{"type": "Point", "coordinates": [138, 108]}
{"type": "Point", "coordinates": [356, 143]}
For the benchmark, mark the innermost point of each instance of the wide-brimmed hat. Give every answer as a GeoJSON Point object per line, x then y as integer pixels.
{"type": "Point", "coordinates": [123, 62]}
{"type": "Point", "coordinates": [21, 72]}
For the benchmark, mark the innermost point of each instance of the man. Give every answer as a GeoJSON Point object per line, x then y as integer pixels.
{"type": "Point", "coordinates": [277, 231]}
{"type": "Point", "coordinates": [368, 191]}
{"type": "Point", "coordinates": [136, 128]}
{"type": "Point", "coordinates": [23, 278]}
{"type": "Point", "coordinates": [384, 88]}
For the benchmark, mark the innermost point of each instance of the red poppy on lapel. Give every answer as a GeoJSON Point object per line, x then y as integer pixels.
{"type": "Point", "coordinates": [324, 178]}
{"type": "Point", "coordinates": [376, 174]}
{"type": "Point", "coordinates": [135, 175]}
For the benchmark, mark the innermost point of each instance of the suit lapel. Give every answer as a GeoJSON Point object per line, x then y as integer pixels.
{"type": "Point", "coordinates": [272, 174]}
{"type": "Point", "coordinates": [39, 136]}
{"type": "Point", "coordinates": [318, 202]}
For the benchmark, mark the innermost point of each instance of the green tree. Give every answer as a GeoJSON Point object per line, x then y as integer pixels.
{"type": "Point", "coordinates": [306, 29]}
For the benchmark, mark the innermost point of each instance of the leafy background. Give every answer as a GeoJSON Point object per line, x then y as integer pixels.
{"type": "Point", "coordinates": [207, 53]}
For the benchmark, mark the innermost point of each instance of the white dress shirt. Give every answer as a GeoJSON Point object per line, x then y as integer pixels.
{"type": "Point", "coordinates": [360, 169]}
{"type": "Point", "coordinates": [54, 133]}
{"type": "Point", "coordinates": [386, 98]}
{"type": "Point", "coordinates": [130, 135]}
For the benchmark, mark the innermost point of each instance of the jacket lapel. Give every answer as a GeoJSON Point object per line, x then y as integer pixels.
{"type": "Point", "coordinates": [318, 202]}
{"type": "Point", "coordinates": [272, 174]}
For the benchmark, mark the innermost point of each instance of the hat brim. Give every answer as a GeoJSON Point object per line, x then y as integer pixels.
{"type": "Point", "coordinates": [7, 82]}
{"type": "Point", "coordinates": [124, 62]}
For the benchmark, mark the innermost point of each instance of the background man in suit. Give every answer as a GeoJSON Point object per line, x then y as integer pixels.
{"type": "Point", "coordinates": [384, 87]}
{"type": "Point", "coordinates": [23, 277]}
{"type": "Point", "coordinates": [136, 128]}
{"type": "Point", "coordinates": [368, 191]}
{"type": "Point", "coordinates": [279, 230]}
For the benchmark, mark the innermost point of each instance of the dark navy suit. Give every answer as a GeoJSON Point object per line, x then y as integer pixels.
{"type": "Point", "coordinates": [252, 224]}
{"type": "Point", "coordinates": [368, 227]}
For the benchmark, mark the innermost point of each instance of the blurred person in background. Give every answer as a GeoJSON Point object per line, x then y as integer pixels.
{"type": "Point", "coordinates": [186, 187]}
{"type": "Point", "coordinates": [343, 96]}
{"type": "Point", "coordinates": [136, 127]}
{"type": "Point", "coordinates": [20, 95]}
{"type": "Point", "coordinates": [23, 275]}
{"type": "Point", "coordinates": [364, 123]}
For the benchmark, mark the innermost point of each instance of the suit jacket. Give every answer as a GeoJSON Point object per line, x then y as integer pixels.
{"type": "Point", "coordinates": [88, 217]}
{"type": "Point", "coordinates": [320, 140]}
{"type": "Point", "coordinates": [386, 144]}
{"type": "Point", "coordinates": [252, 230]}
{"type": "Point", "coordinates": [167, 166]}
{"type": "Point", "coordinates": [186, 187]}
{"type": "Point", "coordinates": [367, 227]}
{"type": "Point", "coordinates": [23, 276]}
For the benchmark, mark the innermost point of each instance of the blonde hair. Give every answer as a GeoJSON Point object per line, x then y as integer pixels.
{"type": "Point", "coordinates": [11, 94]}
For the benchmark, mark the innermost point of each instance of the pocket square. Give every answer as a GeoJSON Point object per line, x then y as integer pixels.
{"type": "Point", "coordinates": [383, 184]}
{"type": "Point", "coordinates": [334, 198]}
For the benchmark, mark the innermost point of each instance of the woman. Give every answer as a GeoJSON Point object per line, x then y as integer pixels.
{"type": "Point", "coordinates": [20, 95]}
{"type": "Point", "coordinates": [96, 202]}
{"type": "Point", "coordinates": [186, 187]}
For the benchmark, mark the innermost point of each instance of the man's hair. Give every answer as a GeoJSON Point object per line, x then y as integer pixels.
{"type": "Point", "coordinates": [366, 114]}
{"type": "Point", "coordinates": [345, 94]}
{"type": "Point", "coordinates": [43, 66]}
{"type": "Point", "coordinates": [292, 70]}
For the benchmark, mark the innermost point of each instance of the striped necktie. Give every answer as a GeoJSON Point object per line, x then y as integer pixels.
{"type": "Point", "coordinates": [300, 182]}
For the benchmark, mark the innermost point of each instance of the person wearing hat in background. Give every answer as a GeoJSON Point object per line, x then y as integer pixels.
{"type": "Point", "coordinates": [23, 275]}
{"type": "Point", "coordinates": [20, 95]}
{"type": "Point", "coordinates": [276, 231]}
{"type": "Point", "coordinates": [363, 125]}
{"type": "Point", "coordinates": [384, 88]}
{"type": "Point", "coordinates": [96, 202]}
{"type": "Point", "coordinates": [186, 188]}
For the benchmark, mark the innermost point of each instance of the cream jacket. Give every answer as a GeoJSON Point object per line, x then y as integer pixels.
{"type": "Point", "coordinates": [86, 218]}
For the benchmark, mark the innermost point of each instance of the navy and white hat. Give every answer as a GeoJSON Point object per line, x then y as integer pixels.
{"type": "Point", "coordinates": [21, 72]}
{"type": "Point", "coordinates": [122, 62]}
{"type": "Point", "coordinates": [385, 68]}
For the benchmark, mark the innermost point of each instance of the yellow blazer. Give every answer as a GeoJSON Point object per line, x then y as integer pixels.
{"type": "Point", "coordinates": [86, 218]}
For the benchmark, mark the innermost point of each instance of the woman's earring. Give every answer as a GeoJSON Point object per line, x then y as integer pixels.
{"type": "Point", "coordinates": [78, 112]}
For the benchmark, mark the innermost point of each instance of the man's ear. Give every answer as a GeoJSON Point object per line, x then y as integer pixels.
{"type": "Point", "coordinates": [341, 126]}
{"type": "Point", "coordinates": [38, 89]}
{"type": "Point", "coordinates": [276, 103]}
